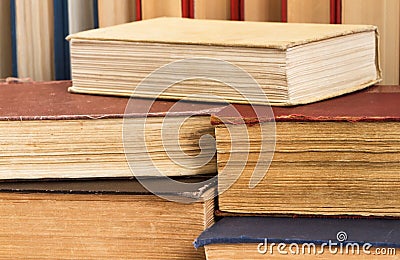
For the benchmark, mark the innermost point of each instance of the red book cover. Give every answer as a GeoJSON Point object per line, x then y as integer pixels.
{"type": "Point", "coordinates": [377, 103]}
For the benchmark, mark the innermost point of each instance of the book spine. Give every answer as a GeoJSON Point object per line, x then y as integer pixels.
{"type": "Point", "coordinates": [309, 11]}
{"type": "Point", "coordinates": [241, 10]}
{"type": "Point", "coordinates": [262, 10]}
{"type": "Point", "coordinates": [138, 4]}
{"type": "Point", "coordinates": [95, 13]}
{"type": "Point", "coordinates": [237, 10]}
{"type": "Point", "coordinates": [62, 64]}
{"type": "Point", "coordinates": [385, 15]}
{"type": "Point", "coordinates": [156, 8]}
{"type": "Point", "coordinates": [187, 8]}
{"type": "Point", "coordinates": [5, 39]}
{"type": "Point", "coordinates": [284, 11]}
{"type": "Point", "coordinates": [34, 26]}
{"type": "Point", "coordinates": [338, 11]}
{"type": "Point", "coordinates": [212, 9]}
{"type": "Point", "coordinates": [113, 12]}
{"type": "Point", "coordinates": [80, 15]}
{"type": "Point", "coordinates": [13, 39]}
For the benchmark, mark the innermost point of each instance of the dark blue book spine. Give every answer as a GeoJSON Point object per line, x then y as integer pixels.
{"type": "Point", "coordinates": [96, 13]}
{"type": "Point", "coordinates": [62, 64]}
{"type": "Point", "coordinates": [14, 39]}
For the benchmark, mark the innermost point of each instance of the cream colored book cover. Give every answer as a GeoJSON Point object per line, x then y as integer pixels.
{"type": "Point", "coordinates": [279, 56]}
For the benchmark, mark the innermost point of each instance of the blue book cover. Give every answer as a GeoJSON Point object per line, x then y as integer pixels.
{"type": "Point", "coordinates": [13, 39]}
{"type": "Point", "coordinates": [234, 230]}
{"type": "Point", "coordinates": [62, 64]}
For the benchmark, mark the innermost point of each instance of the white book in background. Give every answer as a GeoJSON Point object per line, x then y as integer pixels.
{"type": "Point", "coordinates": [113, 12]}
{"type": "Point", "coordinates": [35, 39]}
{"type": "Point", "coordinates": [5, 39]}
{"type": "Point", "coordinates": [212, 9]}
{"type": "Point", "coordinates": [80, 15]}
{"type": "Point", "coordinates": [160, 8]}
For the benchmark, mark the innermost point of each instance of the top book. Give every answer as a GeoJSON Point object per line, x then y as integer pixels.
{"type": "Point", "coordinates": [209, 60]}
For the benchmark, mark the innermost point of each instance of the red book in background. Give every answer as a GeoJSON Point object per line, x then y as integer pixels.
{"type": "Point", "coordinates": [237, 10]}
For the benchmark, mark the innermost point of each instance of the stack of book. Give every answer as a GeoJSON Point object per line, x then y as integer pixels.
{"type": "Point", "coordinates": [75, 162]}
{"type": "Point", "coordinates": [68, 191]}
{"type": "Point", "coordinates": [335, 168]}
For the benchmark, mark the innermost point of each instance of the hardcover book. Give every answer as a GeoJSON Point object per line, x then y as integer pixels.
{"type": "Point", "coordinates": [336, 157]}
{"type": "Point", "coordinates": [301, 238]}
{"type": "Point", "coordinates": [292, 63]}
{"type": "Point", "coordinates": [98, 219]}
{"type": "Point", "coordinates": [47, 132]}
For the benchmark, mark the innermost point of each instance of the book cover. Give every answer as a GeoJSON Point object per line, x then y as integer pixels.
{"type": "Point", "coordinates": [57, 134]}
{"type": "Point", "coordinates": [99, 219]}
{"type": "Point", "coordinates": [300, 238]}
{"type": "Point", "coordinates": [335, 157]}
{"type": "Point", "coordinates": [288, 81]}
{"type": "Point", "coordinates": [235, 230]}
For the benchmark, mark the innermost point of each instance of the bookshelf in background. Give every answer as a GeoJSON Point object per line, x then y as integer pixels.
{"type": "Point", "coordinates": [262, 10]}
{"type": "Point", "coordinates": [5, 39]}
{"type": "Point", "coordinates": [385, 14]}
{"type": "Point", "coordinates": [34, 25]}
{"type": "Point", "coordinates": [112, 12]}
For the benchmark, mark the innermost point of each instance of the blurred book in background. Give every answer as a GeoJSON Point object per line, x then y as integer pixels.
{"type": "Point", "coordinates": [5, 40]}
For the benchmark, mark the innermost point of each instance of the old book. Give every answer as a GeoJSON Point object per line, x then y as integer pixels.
{"type": "Point", "coordinates": [35, 39]}
{"type": "Point", "coordinates": [301, 238]}
{"type": "Point", "coordinates": [5, 40]}
{"type": "Point", "coordinates": [47, 132]}
{"type": "Point", "coordinates": [336, 157]}
{"type": "Point", "coordinates": [157, 8]}
{"type": "Point", "coordinates": [384, 14]}
{"type": "Point", "coordinates": [98, 219]}
{"type": "Point", "coordinates": [113, 12]}
{"type": "Point", "coordinates": [263, 10]}
{"type": "Point", "coordinates": [292, 63]}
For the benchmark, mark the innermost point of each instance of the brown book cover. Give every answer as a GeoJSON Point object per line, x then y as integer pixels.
{"type": "Point", "coordinates": [48, 132]}
{"type": "Point", "coordinates": [50, 100]}
{"type": "Point", "coordinates": [99, 219]}
{"type": "Point", "coordinates": [377, 103]}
